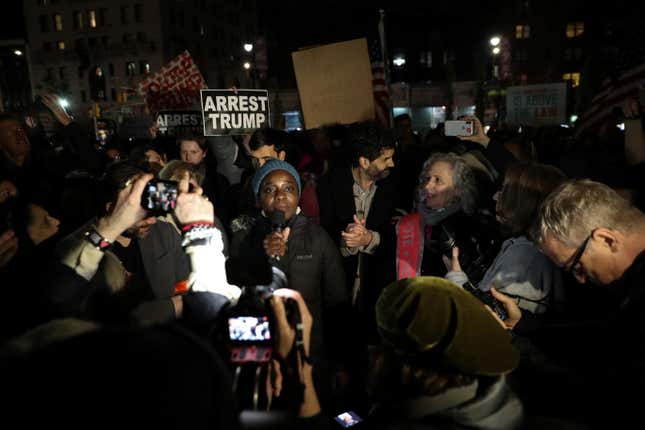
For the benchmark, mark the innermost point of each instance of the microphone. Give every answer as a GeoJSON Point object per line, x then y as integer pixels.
{"type": "Point", "coordinates": [278, 224]}
{"type": "Point", "coordinates": [277, 221]}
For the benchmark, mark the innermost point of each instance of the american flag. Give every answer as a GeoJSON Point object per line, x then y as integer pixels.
{"type": "Point", "coordinates": [626, 79]}
{"type": "Point", "coordinates": [379, 81]}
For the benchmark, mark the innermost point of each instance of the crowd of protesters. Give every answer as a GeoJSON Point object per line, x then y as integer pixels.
{"type": "Point", "coordinates": [390, 243]}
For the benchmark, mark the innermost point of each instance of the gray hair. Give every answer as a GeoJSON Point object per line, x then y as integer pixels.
{"type": "Point", "coordinates": [574, 209]}
{"type": "Point", "coordinates": [466, 192]}
{"type": "Point", "coordinates": [175, 169]}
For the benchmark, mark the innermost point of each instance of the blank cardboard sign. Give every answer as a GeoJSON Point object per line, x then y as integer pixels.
{"type": "Point", "coordinates": [335, 83]}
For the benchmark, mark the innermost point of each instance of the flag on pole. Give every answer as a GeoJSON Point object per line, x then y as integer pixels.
{"type": "Point", "coordinates": [613, 93]}
{"type": "Point", "coordinates": [626, 79]}
{"type": "Point", "coordinates": [380, 82]}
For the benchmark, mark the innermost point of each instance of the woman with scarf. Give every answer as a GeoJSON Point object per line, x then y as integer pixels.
{"type": "Point", "coordinates": [446, 216]}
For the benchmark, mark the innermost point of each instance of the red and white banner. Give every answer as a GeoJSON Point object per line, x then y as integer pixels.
{"type": "Point", "coordinates": [409, 246]}
{"type": "Point", "coordinates": [175, 87]}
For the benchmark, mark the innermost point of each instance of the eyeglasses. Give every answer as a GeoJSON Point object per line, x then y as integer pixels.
{"type": "Point", "coordinates": [572, 268]}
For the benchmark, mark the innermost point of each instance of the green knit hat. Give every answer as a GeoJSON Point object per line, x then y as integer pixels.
{"type": "Point", "coordinates": [431, 318]}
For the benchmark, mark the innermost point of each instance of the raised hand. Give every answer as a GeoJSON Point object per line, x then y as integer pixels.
{"type": "Point", "coordinates": [127, 211]}
{"type": "Point", "coordinates": [192, 206]}
{"type": "Point", "coordinates": [452, 264]}
{"type": "Point", "coordinates": [479, 135]}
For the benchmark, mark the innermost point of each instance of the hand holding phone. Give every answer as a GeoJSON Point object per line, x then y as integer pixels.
{"type": "Point", "coordinates": [160, 196]}
{"type": "Point", "coordinates": [459, 128]}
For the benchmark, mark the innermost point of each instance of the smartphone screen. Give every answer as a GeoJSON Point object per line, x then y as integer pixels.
{"type": "Point", "coordinates": [459, 128]}
{"type": "Point", "coordinates": [159, 196]}
{"type": "Point", "coordinates": [249, 329]}
{"type": "Point", "coordinates": [348, 419]}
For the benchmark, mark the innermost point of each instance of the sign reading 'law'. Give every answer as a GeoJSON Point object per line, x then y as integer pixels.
{"type": "Point", "coordinates": [537, 105]}
{"type": "Point", "coordinates": [227, 112]}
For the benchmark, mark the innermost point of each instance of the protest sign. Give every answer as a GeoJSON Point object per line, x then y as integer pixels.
{"type": "Point", "coordinates": [179, 123]}
{"type": "Point", "coordinates": [228, 112]}
{"type": "Point", "coordinates": [335, 83]}
{"type": "Point", "coordinates": [175, 87]}
{"type": "Point", "coordinates": [536, 105]}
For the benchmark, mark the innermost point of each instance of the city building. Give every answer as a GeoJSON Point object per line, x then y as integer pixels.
{"type": "Point", "coordinates": [15, 86]}
{"type": "Point", "coordinates": [98, 50]}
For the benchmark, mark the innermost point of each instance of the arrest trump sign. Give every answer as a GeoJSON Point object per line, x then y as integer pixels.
{"type": "Point", "coordinates": [229, 112]}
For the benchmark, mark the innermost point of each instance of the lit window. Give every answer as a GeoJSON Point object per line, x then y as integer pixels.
{"type": "Point", "coordinates": [58, 22]}
{"type": "Point", "coordinates": [522, 31]}
{"type": "Point", "coordinates": [91, 18]}
{"type": "Point", "coordinates": [573, 77]}
{"type": "Point", "coordinates": [575, 29]}
{"type": "Point", "coordinates": [144, 67]}
{"type": "Point", "coordinates": [61, 45]}
{"type": "Point", "coordinates": [130, 68]}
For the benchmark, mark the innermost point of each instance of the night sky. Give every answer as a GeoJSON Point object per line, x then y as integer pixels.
{"type": "Point", "coordinates": [12, 23]}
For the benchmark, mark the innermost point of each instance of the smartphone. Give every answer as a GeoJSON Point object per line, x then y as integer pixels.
{"type": "Point", "coordinates": [348, 419]}
{"type": "Point", "coordinates": [487, 298]}
{"type": "Point", "coordinates": [249, 329]}
{"type": "Point", "coordinates": [160, 196]}
{"type": "Point", "coordinates": [459, 128]}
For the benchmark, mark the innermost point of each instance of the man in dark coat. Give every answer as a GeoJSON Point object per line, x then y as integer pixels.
{"type": "Point", "coordinates": [357, 204]}
{"type": "Point", "coordinates": [138, 276]}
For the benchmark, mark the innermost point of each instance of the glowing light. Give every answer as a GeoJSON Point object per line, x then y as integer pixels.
{"type": "Point", "coordinates": [399, 61]}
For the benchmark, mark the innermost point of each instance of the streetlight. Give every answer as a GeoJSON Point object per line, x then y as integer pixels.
{"type": "Point", "coordinates": [496, 50]}
{"type": "Point", "coordinates": [247, 65]}
{"type": "Point", "coordinates": [495, 41]}
{"type": "Point", "coordinates": [248, 47]}
{"type": "Point", "coordinates": [63, 103]}
{"type": "Point", "coordinates": [399, 61]}
{"type": "Point", "coordinates": [18, 52]}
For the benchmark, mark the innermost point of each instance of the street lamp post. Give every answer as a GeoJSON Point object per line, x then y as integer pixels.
{"type": "Point", "coordinates": [248, 63]}
{"type": "Point", "coordinates": [495, 42]}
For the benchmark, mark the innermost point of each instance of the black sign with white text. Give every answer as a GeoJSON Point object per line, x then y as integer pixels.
{"type": "Point", "coordinates": [179, 123]}
{"type": "Point", "coordinates": [229, 112]}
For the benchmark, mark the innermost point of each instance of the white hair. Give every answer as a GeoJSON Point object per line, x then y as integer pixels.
{"type": "Point", "coordinates": [574, 209]}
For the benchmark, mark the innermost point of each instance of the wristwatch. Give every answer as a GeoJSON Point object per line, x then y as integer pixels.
{"type": "Point", "coordinates": [95, 238]}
